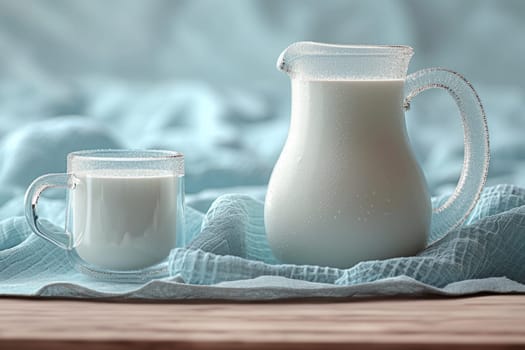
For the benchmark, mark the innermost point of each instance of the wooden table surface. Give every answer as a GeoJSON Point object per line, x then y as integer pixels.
{"type": "Point", "coordinates": [482, 322]}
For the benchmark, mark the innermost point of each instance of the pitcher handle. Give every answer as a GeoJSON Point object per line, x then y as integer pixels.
{"type": "Point", "coordinates": [476, 142]}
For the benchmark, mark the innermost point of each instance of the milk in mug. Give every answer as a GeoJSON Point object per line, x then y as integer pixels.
{"type": "Point", "coordinates": [124, 220]}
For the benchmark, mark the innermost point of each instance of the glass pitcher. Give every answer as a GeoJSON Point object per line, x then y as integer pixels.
{"type": "Point", "coordinates": [347, 187]}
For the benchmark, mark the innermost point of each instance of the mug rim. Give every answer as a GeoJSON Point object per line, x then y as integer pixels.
{"type": "Point", "coordinates": [125, 155]}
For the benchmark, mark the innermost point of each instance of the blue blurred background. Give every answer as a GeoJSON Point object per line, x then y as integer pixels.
{"type": "Point", "coordinates": [199, 77]}
{"type": "Point", "coordinates": [236, 42]}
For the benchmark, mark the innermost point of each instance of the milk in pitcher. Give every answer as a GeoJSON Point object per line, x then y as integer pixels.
{"type": "Point", "coordinates": [322, 209]}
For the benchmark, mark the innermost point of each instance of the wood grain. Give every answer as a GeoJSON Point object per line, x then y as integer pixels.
{"type": "Point", "coordinates": [483, 322]}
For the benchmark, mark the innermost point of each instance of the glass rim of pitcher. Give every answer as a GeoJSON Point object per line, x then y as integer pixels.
{"type": "Point", "coordinates": [367, 48]}
{"type": "Point", "coordinates": [312, 48]}
{"type": "Point", "coordinates": [125, 155]}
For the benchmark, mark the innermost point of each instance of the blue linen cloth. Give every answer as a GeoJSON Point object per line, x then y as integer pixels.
{"type": "Point", "coordinates": [227, 255]}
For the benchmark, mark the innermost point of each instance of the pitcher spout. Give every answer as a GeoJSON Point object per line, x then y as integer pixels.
{"type": "Point", "coordinates": [310, 60]}
{"type": "Point", "coordinates": [286, 58]}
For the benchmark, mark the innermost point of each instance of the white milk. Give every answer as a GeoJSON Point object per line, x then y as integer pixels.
{"type": "Point", "coordinates": [125, 221]}
{"type": "Point", "coordinates": [346, 187]}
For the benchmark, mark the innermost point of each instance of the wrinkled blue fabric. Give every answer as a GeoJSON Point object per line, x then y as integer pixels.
{"type": "Point", "coordinates": [227, 256]}
{"type": "Point", "coordinates": [491, 245]}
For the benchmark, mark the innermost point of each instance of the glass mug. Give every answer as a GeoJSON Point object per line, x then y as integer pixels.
{"type": "Point", "coordinates": [347, 187]}
{"type": "Point", "coordinates": [124, 214]}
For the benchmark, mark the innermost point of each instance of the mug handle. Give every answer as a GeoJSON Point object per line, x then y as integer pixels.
{"type": "Point", "coordinates": [63, 239]}
{"type": "Point", "coordinates": [476, 142]}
